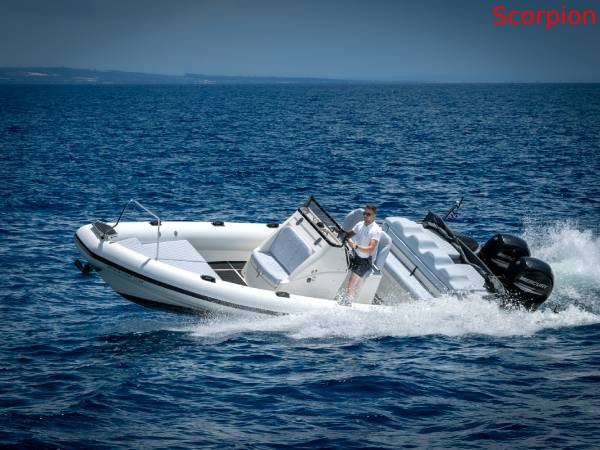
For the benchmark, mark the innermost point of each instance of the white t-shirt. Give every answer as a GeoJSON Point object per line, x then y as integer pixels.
{"type": "Point", "coordinates": [363, 236]}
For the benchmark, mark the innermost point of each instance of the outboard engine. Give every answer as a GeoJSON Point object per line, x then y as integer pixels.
{"type": "Point", "coordinates": [529, 281]}
{"type": "Point", "coordinates": [501, 251]}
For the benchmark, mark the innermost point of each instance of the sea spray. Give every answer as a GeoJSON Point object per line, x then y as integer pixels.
{"type": "Point", "coordinates": [442, 316]}
{"type": "Point", "coordinates": [574, 255]}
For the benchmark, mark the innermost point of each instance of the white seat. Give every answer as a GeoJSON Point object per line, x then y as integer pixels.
{"type": "Point", "coordinates": [286, 253]}
{"type": "Point", "coordinates": [268, 267]}
{"type": "Point", "coordinates": [383, 249]}
{"type": "Point", "coordinates": [352, 218]}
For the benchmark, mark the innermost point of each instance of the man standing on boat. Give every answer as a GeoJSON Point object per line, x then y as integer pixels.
{"type": "Point", "coordinates": [366, 235]}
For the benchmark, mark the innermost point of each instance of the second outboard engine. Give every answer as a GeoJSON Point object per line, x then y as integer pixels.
{"type": "Point", "coordinates": [501, 251]}
{"type": "Point", "coordinates": [529, 281]}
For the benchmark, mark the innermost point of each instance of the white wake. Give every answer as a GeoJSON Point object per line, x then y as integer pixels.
{"type": "Point", "coordinates": [574, 256]}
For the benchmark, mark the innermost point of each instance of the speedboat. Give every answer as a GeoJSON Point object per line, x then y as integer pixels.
{"type": "Point", "coordinates": [301, 265]}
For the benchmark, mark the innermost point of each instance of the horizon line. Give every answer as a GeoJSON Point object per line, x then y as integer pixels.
{"type": "Point", "coordinates": [352, 80]}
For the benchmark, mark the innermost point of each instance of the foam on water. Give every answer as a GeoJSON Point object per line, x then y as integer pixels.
{"type": "Point", "coordinates": [575, 259]}
{"type": "Point", "coordinates": [574, 256]}
{"type": "Point", "coordinates": [448, 316]}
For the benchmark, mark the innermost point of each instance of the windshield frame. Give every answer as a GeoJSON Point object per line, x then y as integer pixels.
{"type": "Point", "coordinates": [322, 222]}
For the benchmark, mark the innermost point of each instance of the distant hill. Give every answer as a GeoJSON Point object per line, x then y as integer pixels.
{"type": "Point", "coordinates": [65, 75]}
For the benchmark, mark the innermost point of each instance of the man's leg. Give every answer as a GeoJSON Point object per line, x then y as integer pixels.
{"type": "Point", "coordinates": [352, 284]}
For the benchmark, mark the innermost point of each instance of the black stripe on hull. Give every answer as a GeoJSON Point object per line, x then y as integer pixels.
{"type": "Point", "coordinates": [177, 289]}
{"type": "Point", "coordinates": [163, 306]}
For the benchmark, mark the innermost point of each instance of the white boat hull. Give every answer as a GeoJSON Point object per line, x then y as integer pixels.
{"type": "Point", "coordinates": [151, 282]}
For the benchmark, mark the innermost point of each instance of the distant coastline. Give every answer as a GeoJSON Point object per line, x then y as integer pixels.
{"type": "Point", "coordinates": [65, 75]}
{"type": "Point", "coordinates": [71, 76]}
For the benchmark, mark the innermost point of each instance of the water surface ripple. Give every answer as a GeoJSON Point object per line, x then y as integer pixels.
{"type": "Point", "coordinates": [81, 367]}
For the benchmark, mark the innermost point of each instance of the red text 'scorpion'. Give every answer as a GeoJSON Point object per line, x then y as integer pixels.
{"type": "Point", "coordinates": [548, 17]}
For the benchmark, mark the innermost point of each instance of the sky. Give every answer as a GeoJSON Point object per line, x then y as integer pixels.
{"type": "Point", "coordinates": [402, 40]}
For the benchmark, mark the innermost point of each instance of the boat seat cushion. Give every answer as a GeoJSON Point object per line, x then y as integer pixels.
{"type": "Point", "coordinates": [383, 249]}
{"type": "Point", "coordinates": [268, 267]}
{"type": "Point", "coordinates": [286, 253]}
{"type": "Point", "coordinates": [180, 254]}
{"type": "Point", "coordinates": [352, 219]}
{"type": "Point", "coordinates": [289, 249]}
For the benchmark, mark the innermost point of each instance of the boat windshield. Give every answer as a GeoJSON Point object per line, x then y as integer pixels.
{"type": "Point", "coordinates": [321, 221]}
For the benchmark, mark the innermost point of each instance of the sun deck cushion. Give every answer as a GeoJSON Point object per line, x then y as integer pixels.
{"type": "Point", "coordinates": [434, 257]}
{"type": "Point", "coordinates": [180, 254]}
{"type": "Point", "coordinates": [132, 244]}
{"type": "Point", "coordinates": [286, 253]}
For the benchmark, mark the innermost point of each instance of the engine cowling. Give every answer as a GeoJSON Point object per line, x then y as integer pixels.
{"type": "Point", "coordinates": [529, 281]}
{"type": "Point", "coordinates": [502, 250]}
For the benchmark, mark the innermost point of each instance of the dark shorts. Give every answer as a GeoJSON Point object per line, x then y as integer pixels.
{"type": "Point", "coordinates": [360, 266]}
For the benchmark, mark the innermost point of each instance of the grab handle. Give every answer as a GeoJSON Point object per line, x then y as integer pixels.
{"type": "Point", "coordinates": [149, 211]}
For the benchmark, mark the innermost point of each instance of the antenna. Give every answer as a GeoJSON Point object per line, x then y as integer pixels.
{"type": "Point", "coordinates": [452, 211]}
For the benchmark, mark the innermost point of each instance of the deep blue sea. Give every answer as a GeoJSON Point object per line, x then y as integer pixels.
{"type": "Point", "coordinates": [80, 367]}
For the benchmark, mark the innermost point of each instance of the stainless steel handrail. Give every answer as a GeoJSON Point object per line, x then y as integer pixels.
{"type": "Point", "coordinates": [149, 211]}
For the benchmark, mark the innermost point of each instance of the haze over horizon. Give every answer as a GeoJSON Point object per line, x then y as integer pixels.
{"type": "Point", "coordinates": [379, 40]}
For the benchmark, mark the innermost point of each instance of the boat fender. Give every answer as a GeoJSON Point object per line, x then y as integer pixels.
{"type": "Point", "coordinates": [208, 278]}
{"type": "Point", "coordinates": [86, 268]}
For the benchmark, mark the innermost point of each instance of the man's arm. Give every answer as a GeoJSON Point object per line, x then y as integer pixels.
{"type": "Point", "coordinates": [368, 248]}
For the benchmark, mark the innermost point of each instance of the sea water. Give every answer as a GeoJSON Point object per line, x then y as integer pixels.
{"type": "Point", "coordinates": [80, 367]}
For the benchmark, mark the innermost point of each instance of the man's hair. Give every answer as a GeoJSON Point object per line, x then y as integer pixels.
{"type": "Point", "coordinates": [371, 207]}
